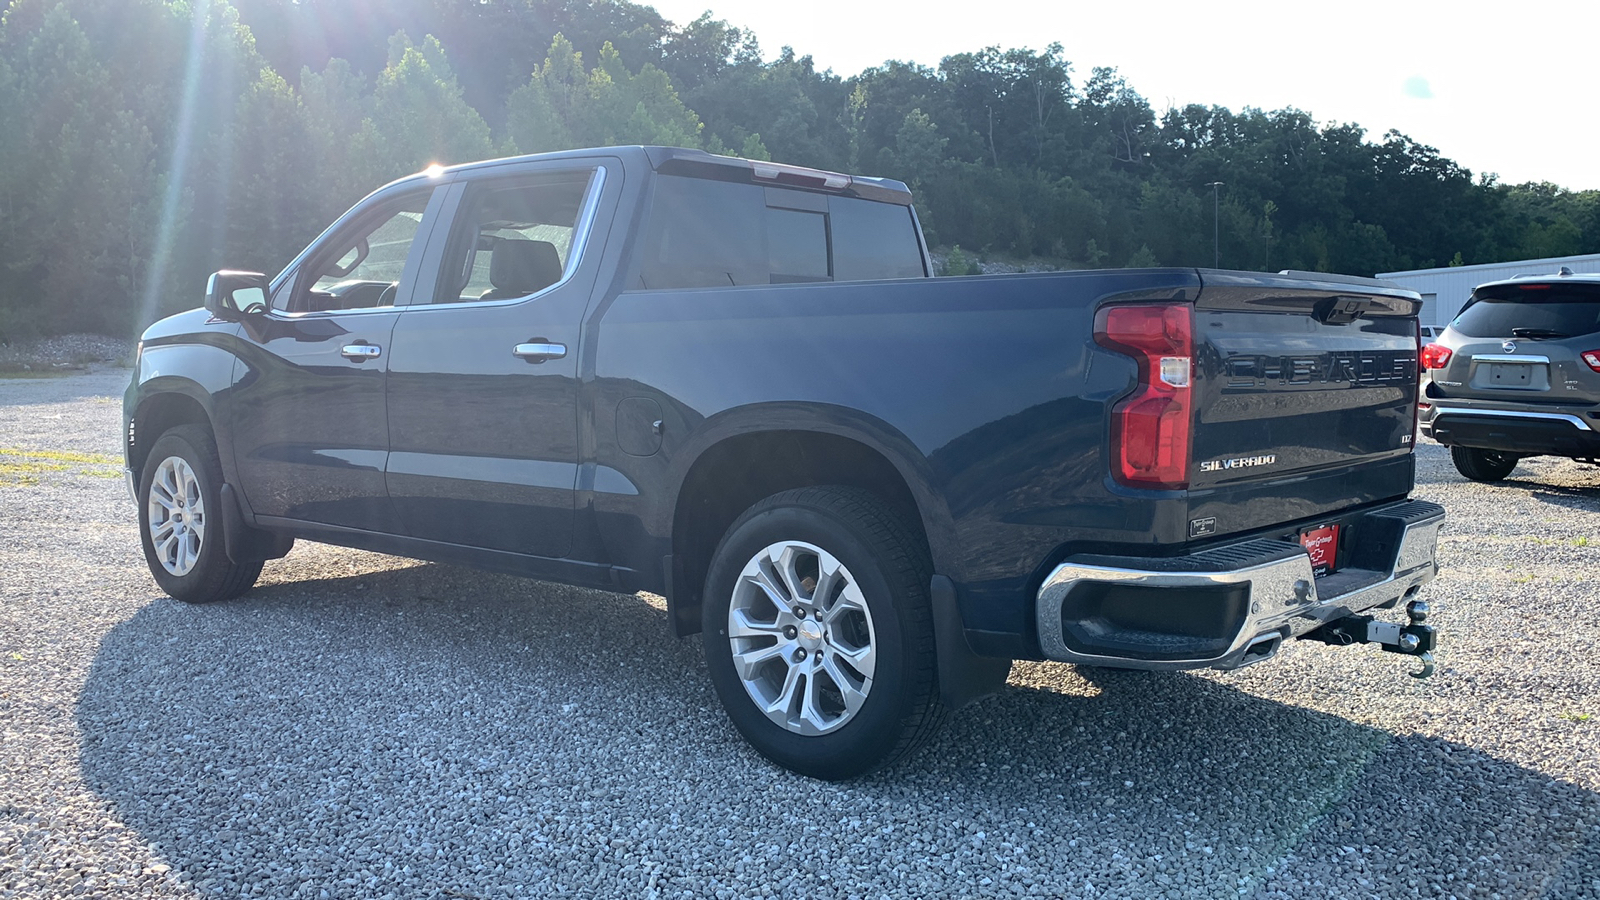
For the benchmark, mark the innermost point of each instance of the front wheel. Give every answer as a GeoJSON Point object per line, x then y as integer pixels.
{"type": "Point", "coordinates": [180, 521]}
{"type": "Point", "coordinates": [1482, 465]}
{"type": "Point", "coordinates": [819, 635]}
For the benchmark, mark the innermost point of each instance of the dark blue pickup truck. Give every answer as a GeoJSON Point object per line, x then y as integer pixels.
{"type": "Point", "coordinates": [734, 383]}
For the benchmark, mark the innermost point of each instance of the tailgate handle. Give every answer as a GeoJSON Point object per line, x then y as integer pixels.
{"type": "Point", "coordinates": [1342, 310]}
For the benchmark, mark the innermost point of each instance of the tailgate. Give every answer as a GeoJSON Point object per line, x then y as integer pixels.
{"type": "Point", "coordinates": [1305, 394]}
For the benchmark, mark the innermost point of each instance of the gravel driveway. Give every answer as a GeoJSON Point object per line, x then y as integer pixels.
{"type": "Point", "coordinates": [363, 726]}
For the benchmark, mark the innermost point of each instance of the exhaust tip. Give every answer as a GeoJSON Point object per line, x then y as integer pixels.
{"type": "Point", "coordinates": [1264, 647]}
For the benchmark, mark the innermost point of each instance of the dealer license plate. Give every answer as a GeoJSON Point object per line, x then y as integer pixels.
{"type": "Point", "coordinates": [1322, 545]}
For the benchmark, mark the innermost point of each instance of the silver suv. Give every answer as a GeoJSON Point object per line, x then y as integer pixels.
{"type": "Point", "coordinates": [1517, 374]}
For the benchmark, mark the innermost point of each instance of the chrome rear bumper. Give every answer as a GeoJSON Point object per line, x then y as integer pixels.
{"type": "Point", "coordinates": [1233, 605]}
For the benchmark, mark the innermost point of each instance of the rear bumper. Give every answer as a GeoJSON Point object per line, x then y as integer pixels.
{"type": "Point", "coordinates": [1528, 432]}
{"type": "Point", "coordinates": [1233, 605]}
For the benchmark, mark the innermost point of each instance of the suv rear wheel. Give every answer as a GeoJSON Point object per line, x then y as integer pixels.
{"type": "Point", "coordinates": [180, 520]}
{"type": "Point", "coordinates": [818, 632]}
{"type": "Point", "coordinates": [1483, 465]}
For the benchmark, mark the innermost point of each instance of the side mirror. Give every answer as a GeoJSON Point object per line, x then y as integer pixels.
{"type": "Point", "coordinates": [234, 295]}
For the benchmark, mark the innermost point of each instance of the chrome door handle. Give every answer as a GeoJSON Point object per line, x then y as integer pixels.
{"type": "Point", "coordinates": [360, 352]}
{"type": "Point", "coordinates": [539, 351]}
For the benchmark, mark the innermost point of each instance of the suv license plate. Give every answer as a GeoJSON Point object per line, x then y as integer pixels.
{"type": "Point", "coordinates": [1510, 373]}
{"type": "Point", "coordinates": [1322, 545]}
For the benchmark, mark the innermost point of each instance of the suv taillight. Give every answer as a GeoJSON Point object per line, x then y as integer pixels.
{"type": "Point", "coordinates": [1150, 428]}
{"type": "Point", "coordinates": [1435, 356]}
{"type": "Point", "coordinates": [1591, 358]}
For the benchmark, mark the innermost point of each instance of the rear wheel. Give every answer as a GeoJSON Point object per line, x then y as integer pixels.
{"type": "Point", "coordinates": [819, 635]}
{"type": "Point", "coordinates": [180, 521]}
{"type": "Point", "coordinates": [1483, 465]}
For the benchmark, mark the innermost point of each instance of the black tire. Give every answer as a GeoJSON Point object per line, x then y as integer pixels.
{"type": "Point", "coordinates": [1483, 465]}
{"type": "Point", "coordinates": [891, 570]}
{"type": "Point", "coordinates": [211, 575]}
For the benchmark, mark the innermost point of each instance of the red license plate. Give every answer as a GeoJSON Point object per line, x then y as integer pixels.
{"type": "Point", "coordinates": [1322, 545]}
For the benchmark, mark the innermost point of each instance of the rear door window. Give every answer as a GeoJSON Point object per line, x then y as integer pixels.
{"type": "Point", "coordinates": [705, 233]}
{"type": "Point", "coordinates": [513, 240]}
{"type": "Point", "coordinates": [1531, 310]}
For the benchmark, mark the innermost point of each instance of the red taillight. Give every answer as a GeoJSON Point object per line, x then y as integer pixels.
{"type": "Point", "coordinates": [1591, 358]}
{"type": "Point", "coordinates": [1435, 356]}
{"type": "Point", "coordinates": [1150, 427]}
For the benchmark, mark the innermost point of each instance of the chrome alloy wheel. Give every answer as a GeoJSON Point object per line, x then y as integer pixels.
{"type": "Point", "coordinates": [177, 515]}
{"type": "Point", "coordinates": [802, 638]}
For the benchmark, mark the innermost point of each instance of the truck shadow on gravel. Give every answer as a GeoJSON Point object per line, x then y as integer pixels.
{"type": "Point", "coordinates": [428, 731]}
{"type": "Point", "coordinates": [1582, 497]}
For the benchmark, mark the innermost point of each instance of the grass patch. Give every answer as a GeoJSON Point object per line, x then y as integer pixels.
{"type": "Point", "coordinates": [1577, 717]}
{"type": "Point", "coordinates": [22, 468]}
{"type": "Point", "coordinates": [65, 456]}
{"type": "Point", "coordinates": [1581, 542]}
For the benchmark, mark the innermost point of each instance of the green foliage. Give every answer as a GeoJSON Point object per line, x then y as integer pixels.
{"type": "Point", "coordinates": [418, 115]}
{"type": "Point", "coordinates": [918, 148]}
{"type": "Point", "coordinates": [73, 187]}
{"type": "Point", "coordinates": [1142, 259]}
{"type": "Point", "coordinates": [958, 263]}
{"type": "Point", "coordinates": [148, 142]}
{"type": "Point", "coordinates": [563, 107]}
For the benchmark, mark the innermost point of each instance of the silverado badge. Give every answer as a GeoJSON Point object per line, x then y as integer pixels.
{"type": "Point", "coordinates": [1238, 462]}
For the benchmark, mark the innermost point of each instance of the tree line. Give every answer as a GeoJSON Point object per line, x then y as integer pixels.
{"type": "Point", "coordinates": [147, 143]}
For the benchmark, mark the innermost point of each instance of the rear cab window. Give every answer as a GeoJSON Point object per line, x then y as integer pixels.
{"type": "Point", "coordinates": [1536, 309]}
{"type": "Point", "coordinates": [709, 233]}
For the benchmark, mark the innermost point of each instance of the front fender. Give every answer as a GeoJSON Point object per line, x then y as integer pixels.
{"type": "Point", "coordinates": [198, 367]}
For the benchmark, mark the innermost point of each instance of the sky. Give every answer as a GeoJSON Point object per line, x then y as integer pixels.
{"type": "Point", "coordinates": [1508, 89]}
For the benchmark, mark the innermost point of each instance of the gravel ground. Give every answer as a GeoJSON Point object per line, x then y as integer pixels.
{"type": "Point", "coordinates": [363, 726]}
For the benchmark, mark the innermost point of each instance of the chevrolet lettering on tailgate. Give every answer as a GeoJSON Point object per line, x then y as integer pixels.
{"type": "Point", "coordinates": [1363, 368]}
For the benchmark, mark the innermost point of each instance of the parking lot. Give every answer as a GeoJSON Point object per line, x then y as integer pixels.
{"type": "Point", "coordinates": [364, 726]}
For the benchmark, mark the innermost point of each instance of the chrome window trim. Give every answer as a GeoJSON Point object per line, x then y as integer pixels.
{"type": "Point", "coordinates": [1513, 358]}
{"type": "Point", "coordinates": [320, 313]}
{"type": "Point", "coordinates": [580, 243]}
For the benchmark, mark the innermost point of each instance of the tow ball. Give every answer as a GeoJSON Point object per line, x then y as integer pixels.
{"type": "Point", "coordinates": [1413, 639]}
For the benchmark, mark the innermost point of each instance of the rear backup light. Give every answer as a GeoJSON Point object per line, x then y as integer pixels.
{"type": "Point", "coordinates": [1591, 358]}
{"type": "Point", "coordinates": [1435, 356]}
{"type": "Point", "coordinates": [1150, 428]}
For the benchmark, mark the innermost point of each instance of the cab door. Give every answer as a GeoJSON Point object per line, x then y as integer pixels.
{"type": "Point", "coordinates": [308, 408]}
{"type": "Point", "coordinates": [483, 373]}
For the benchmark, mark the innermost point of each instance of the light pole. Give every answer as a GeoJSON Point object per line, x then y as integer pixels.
{"type": "Point", "coordinates": [1216, 227]}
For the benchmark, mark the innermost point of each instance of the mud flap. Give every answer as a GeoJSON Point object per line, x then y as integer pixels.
{"type": "Point", "coordinates": [964, 676]}
{"type": "Point", "coordinates": [244, 543]}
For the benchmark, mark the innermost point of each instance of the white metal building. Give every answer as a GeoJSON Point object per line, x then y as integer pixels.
{"type": "Point", "coordinates": [1445, 291]}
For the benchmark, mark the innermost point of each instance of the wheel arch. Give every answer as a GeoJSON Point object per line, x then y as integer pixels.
{"type": "Point", "coordinates": [747, 455]}
{"type": "Point", "coordinates": [166, 404]}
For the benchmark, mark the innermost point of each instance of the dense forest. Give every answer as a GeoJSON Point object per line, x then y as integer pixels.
{"type": "Point", "coordinates": [147, 142]}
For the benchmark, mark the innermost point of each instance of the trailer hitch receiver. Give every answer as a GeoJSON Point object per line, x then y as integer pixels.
{"type": "Point", "coordinates": [1412, 639]}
